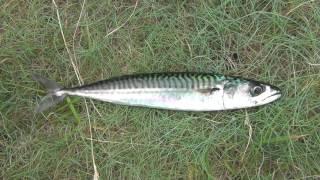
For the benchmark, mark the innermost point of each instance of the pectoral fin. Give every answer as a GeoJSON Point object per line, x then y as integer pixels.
{"type": "Point", "coordinates": [208, 91]}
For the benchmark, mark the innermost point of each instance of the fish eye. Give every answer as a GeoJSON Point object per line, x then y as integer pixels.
{"type": "Point", "coordinates": [257, 90]}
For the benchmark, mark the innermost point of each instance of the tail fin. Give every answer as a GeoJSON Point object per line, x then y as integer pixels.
{"type": "Point", "coordinates": [51, 98]}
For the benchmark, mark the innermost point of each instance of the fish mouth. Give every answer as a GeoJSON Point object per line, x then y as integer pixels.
{"type": "Point", "coordinates": [275, 94]}
{"type": "Point", "coordinates": [273, 97]}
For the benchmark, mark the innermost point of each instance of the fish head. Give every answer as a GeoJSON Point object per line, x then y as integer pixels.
{"type": "Point", "coordinates": [246, 93]}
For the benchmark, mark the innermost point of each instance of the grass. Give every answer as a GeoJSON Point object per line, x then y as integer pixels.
{"type": "Point", "coordinates": [273, 41]}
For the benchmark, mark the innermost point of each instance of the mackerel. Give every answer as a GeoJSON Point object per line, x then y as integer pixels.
{"type": "Point", "coordinates": [183, 91]}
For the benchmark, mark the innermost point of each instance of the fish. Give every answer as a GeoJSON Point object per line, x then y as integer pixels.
{"type": "Point", "coordinates": [181, 91]}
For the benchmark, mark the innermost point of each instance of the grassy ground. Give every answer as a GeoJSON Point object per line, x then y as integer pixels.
{"type": "Point", "coordinates": [273, 41]}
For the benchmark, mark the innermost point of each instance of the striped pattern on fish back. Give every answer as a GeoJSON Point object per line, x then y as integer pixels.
{"type": "Point", "coordinates": [157, 80]}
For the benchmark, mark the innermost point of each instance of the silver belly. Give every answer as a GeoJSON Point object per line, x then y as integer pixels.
{"type": "Point", "coordinates": [187, 100]}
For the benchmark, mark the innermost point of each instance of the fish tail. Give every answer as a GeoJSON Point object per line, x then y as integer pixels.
{"type": "Point", "coordinates": [52, 98]}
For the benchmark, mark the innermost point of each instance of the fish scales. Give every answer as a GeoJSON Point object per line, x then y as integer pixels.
{"type": "Point", "coordinates": [151, 81]}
